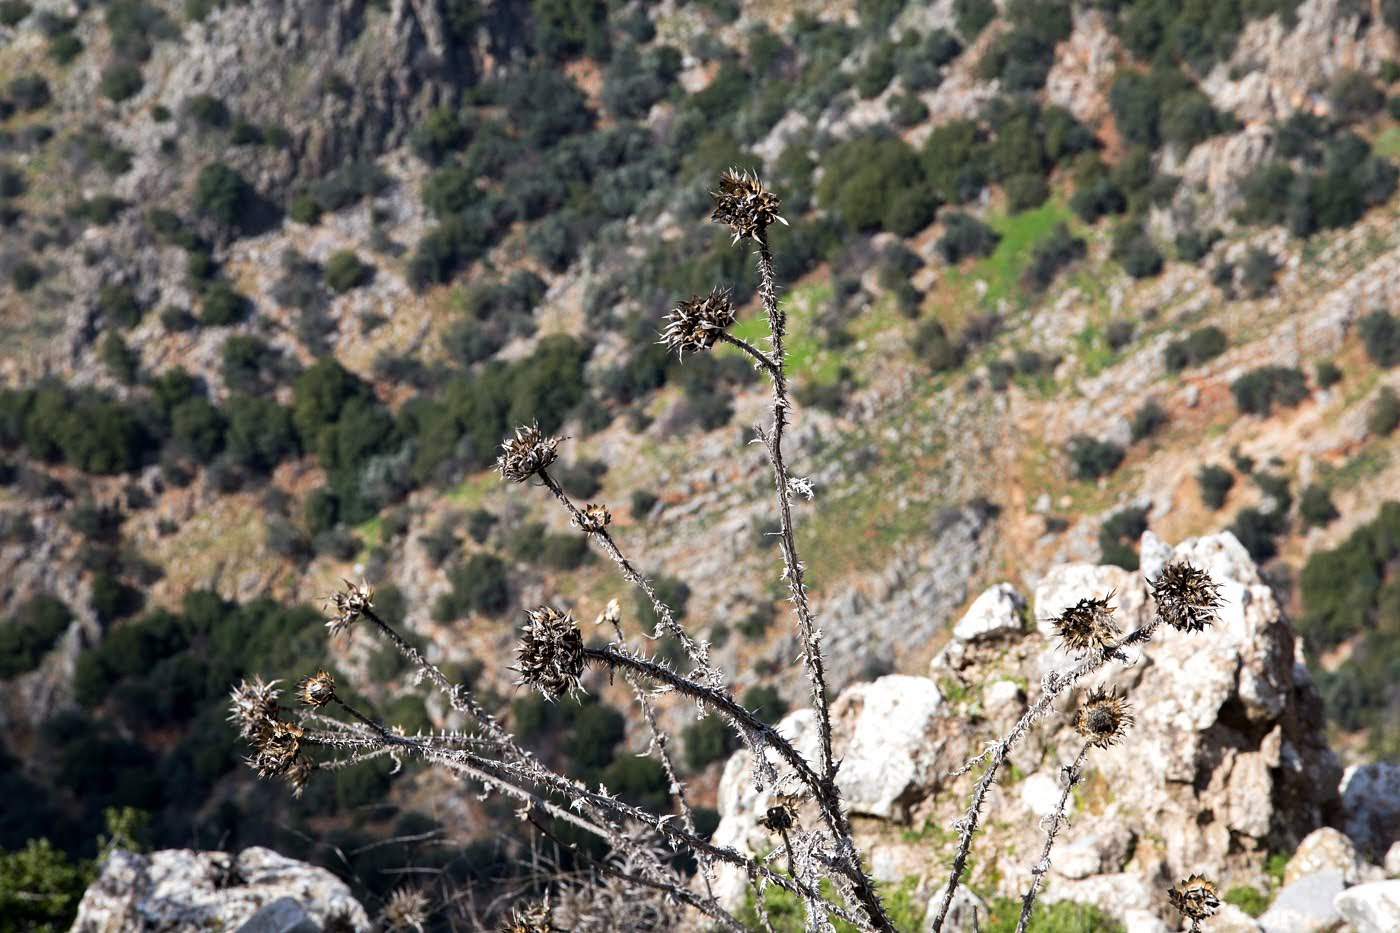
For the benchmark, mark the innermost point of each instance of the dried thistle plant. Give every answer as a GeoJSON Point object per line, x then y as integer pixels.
{"type": "Point", "coordinates": [824, 869]}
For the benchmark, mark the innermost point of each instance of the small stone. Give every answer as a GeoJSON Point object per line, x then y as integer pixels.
{"type": "Point", "coordinates": [1323, 849]}
{"type": "Point", "coordinates": [1392, 860]}
{"type": "Point", "coordinates": [1306, 905]}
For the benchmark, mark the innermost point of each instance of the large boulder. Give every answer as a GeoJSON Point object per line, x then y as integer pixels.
{"type": "Point", "coordinates": [1227, 760]}
{"type": "Point", "coordinates": [1371, 908]}
{"type": "Point", "coordinates": [179, 889]}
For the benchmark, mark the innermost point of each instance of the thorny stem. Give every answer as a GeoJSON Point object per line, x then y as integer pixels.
{"type": "Point", "coordinates": [698, 653]}
{"type": "Point", "coordinates": [763, 360]}
{"type": "Point", "coordinates": [1055, 683]}
{"type": "Point", "coordinates": [1072, 774]}
{"type": "Point", "coordinates": [825, 789]}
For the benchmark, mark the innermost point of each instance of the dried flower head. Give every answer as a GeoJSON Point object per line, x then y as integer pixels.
{"type": "Point", "coordinates": [407, 909]}
{"type": "Point", "coordinates": [696, 323]}
{"type": "Point", "coordinates": [348, 604]}
{"type": "Point", "coordinates": [531, 918]}
{"type": "Point", "coordinates": [252, 705]}
{"type": "Point", "coordinates": [1087, 626]}
{"type": "Point", "coordinates": [299, 775]}
{"type": "Point", "coordinates": [1187, 598]}
{"type": "Point", "coordinates": [742, 204]}
{"type": "Point", "coordinates": [596, 517]}
{"type": "Point", "coordinates": [1195, 898]}
{"type": "Point", "coordinates": [1103, 718]}
{"type": "Point", "coordinates": [317, 690]}
{"type": "Point", "coordinates": [526, 454]}
{"type": "Point", "coordinates": [782, 816]}
{"type": "Point", "coordinates": [279, 746]}
{"type": "Point", "coordinates": [550, 656]}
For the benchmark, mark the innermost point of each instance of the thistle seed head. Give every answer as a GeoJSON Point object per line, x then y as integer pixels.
{"type": "Point", "coordinates": [526, 454]}
{"type": "Point", "coordinates": [252, 704]}
{"type": "Point", "coordinates": [1187, 598]}
{"type": "Point", "coordinates": [1103, 719]}
{"type": "Point", "coordinates": [550, 656]}
{"type": "Point", "coordinates": [1195, 898]}
{"type": "Point", "coordinates": [299, 775]}
{"type": "Point", "coordinates": [596, 517]}
{"type": "Point", "coordinates": [407, 909]}
{"type": "Point", "coordinates": [531, 918]}
{"type": "Point", "coordinates": [278, 748]}
{"type": "Point", "coordinates": [696, 323]}
{"type": "Point", "coordinates": [1087, 627]}
{"type": "Point", "coordinates": [782, 816]}
{"type": "Point", "coordinates": [317, 690]}
{"type": "Point", "coordinates": [742, 204]}
{"type": "Point", "coordinates": [348, 605]}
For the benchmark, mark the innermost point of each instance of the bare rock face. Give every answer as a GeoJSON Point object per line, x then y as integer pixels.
{"type": "Point", "coordinates": [179, 889]}
{"type": "Point", "coordinates": [1227, 761]}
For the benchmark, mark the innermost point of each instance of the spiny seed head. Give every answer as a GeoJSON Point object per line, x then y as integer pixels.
{"type": "Point", "coordinates": [317, 690]}
{"type": "Point", "coordinates": [742, 204]}
{"type": "Point", "coordinates": [348, 604]}
{"type": "Point", "coordinates": [1087, 627]}
{"type": "Point", "coordinates": [1103, 718]}
{"type": "Point", "coordinates": [595, 517]}
{"type": "Point", "coordinates": [1187, 598]}
{"type": "Point", "coordinates": [1195, 898]}
{"type": "Point", "coordinates": [252, 704]}
{"type": "Point", "coordinates": [550, 656]}
{"type": "Point", "coordinates": [407, 909]}
{"type": "Point", "coordinates": [530, 918]}
{"type": "Point", "coordinates": [696, 323]}
{"type": "Point", "coordinates": [526, 454]}
{"type": "Point", "coordinates": [299, 775]}
{"type": "Point", "coordinates": [782, 816]}
{"type": "Point", "coordinates": [278, 747]}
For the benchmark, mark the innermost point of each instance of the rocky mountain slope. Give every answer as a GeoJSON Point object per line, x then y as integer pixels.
{"type": "Point", "coordinates": [277, 278]}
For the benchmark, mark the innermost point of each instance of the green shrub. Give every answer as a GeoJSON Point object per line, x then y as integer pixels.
{"type": "Point", "coordinates": [260, 432]}
{"type": "Point", "coordinates": [40, 888]}
{"type": "Point", "coordinates": [1215, 483]}
{"type": "Point", "coordinates": [1328, 374]}
{"type": "Point", "coordinates": [1200, 346]}
{"type": "Point", "coordinates": [642, 502]}
{"type": "Point", "coordinates": [119, 306]}
{"type": "Point", "coordinates": [1119, 535]}
{"type": "Point", "coordinates": [1134, 249]}
{"type": "Point", "coordinates": [478, 585]}
{"type": "Point", "coordinates": [29, 92]}
{"type": "Point", "coordinates": [207, 110]}
{"type": "Point", "coordinates": [954, 160]}
{"type": "Point", "coordinates": [1258, 531]}
{"type": "Point", "coordinates": [1093, 458]}
{"type": "Point", "coordinates": [965, 236]}
{"type": "Point", "coordinates": [221, 194]}
{"type": "Point", "coordinates": [221, 305]}
{"type": "Point", "coordinates": [13, 11]}
{"type": "Point", "coordinates": [345, 271]}
{"type": "Point", "coordinates": [24, 275]}
{"type": "Point", "coordinates": [1384, 414]}
{"type": "Point", "coordinates": [877, 184]}
{"type": "Point", "coordinates": [120, 81]}
{"type": "Point", "coordinates": [707, 740]}
{"type": "Point", "coordinates": [1257, 391]}
{"type": "Point", "coordinates": [932, 345]}
{"type": "Point", "coordinates": [1148, 420]}
{"type": "Point", "coordinates": [1354, 96]}
{"type": "Point", "coordinates": [30, 633]}
{"type": "Point", "coordinates": [972, 16]}
{"type": "Point", "coordinates": [878, 71]}
{"type": "Point", "coordinates": [1258, 271]}
{"type": "Point", "coordinates": [1315, 508]}
{"type": "Point", "coordinates": [64, 47]}
{"type": "Point", "coordinates": [121, 361]}
{"type": "Point", "coordinates": [1059, 249]}
{"type": "Point", "coordinates": [1380, 335]}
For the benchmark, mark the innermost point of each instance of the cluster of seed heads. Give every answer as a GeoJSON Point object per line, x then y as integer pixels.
{"type": "Point", "coordinates": [1187, 598]}
{"type": "Point", "coordinates": [550, 656]}
{"type": "Point", "coordinates": [744, 205]}
{"type": "Point", "coordinates": [1195, 898]}
{"type": "Point", "coordinates": [780, 817]}
{"type": "Point", "coordinates": [317, 690]}
{"type": "Point", "coordinates": [696, 323]}
{"type": "Point", "coordinates": [1103, 719]}
{"type": "Point", "coordinates": [347, 605]}
{"type": "Point", "coordinates": [526, 454]}
{"type": "Point", "coordinates": [251, 704]}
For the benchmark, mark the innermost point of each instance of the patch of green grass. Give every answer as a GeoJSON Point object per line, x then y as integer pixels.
{"type": "Point", "coordinates": [1250, 900]}
{"type": "Point", "coordinates": [1003, 913]}
{"type": "Point", "coordinates": [808, 359]}
{"type": "Point", "coordinates": [471, 491]}
{"type": "Point", "coordinates": [1019, 232]}
{"type": "Point", "coordinates": [1388, 143]}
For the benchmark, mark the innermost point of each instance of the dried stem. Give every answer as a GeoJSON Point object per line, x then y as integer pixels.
{"type": "Point", "coordinates": [1072, 777]}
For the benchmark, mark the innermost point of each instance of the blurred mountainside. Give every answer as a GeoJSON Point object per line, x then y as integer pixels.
{"type": "Point", "coordinates": [277, 277]}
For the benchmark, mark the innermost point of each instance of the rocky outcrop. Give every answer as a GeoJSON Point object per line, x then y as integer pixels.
{"type": "Point", "coordinates": [178, 889]}
{"type": "Point", "coordinates": [1227, 761]}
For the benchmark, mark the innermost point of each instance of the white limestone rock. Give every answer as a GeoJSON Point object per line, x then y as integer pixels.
{"type": "Point", "coordinates": [994, 614]}
{"type": "Point", "coordinates": [1371, 908]}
